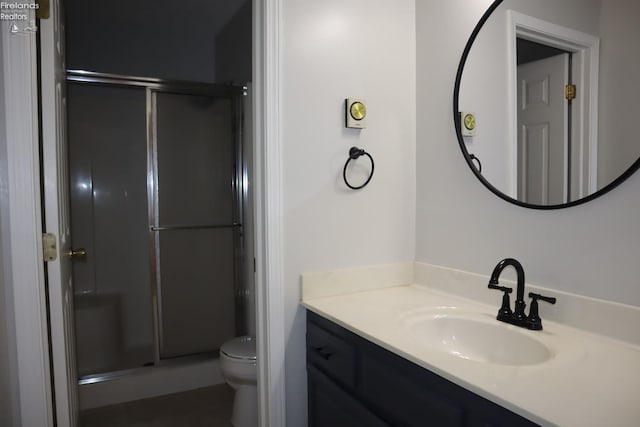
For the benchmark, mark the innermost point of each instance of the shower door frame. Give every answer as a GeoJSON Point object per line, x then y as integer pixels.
{"type": "Point", "coordinates": [234, 93]}
{"type": "Point", "coordinates": [153, 86]}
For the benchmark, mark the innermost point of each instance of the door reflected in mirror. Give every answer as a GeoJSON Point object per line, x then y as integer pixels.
{"type": "Point", "coordinates": [554, 88]}
{"type": "Point", "coordinates": [543, 111]}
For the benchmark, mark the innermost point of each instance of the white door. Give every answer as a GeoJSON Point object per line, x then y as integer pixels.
{"type": "Point", "coordinates": [543, 131]}
{"type": "Point", "coordinates": [56, 204]}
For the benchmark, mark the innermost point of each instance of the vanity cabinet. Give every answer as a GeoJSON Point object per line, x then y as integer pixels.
{"type": "Point", "coordinates": [355, 383]}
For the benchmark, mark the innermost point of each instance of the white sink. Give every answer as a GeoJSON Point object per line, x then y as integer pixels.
{"type": "Point", "coordinates": [475, 336]}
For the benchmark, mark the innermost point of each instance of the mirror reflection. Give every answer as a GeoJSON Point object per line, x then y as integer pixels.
{"type": "Point", "coordinates": [549, 98]}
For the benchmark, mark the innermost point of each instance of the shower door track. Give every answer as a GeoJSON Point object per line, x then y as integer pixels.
{"type": "Point", "coordinates": [178, 361]}
{"type": "Point", "coordinates": [152, 86]}
{"type": "Point", "coordinates": [193, 227]}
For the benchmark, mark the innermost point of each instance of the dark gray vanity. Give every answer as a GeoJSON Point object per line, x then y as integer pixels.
{"type": "Point", "coordinates": [353, 382]}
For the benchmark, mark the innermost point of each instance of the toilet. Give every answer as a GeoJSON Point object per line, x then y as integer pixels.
{"type": "Point", "coordinates": [238, 365]}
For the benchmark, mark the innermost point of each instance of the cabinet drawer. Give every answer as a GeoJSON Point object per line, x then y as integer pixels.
{"type": "Point", "coordinates": [331, 354]}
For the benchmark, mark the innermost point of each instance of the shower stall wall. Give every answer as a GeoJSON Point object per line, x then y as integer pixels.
{"type": "Point", "coordinates": [157, 179]}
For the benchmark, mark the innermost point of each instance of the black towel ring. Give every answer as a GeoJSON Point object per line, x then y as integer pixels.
{"type": "Point", "coordinates": [473, 157]}
{"type": "Point", "coordinates": [354, 153]}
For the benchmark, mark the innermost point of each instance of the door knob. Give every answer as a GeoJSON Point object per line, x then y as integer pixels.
{"type": "Point", "coordinates": [79, 254]}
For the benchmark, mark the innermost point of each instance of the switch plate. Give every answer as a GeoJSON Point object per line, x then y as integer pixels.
{"type": "Point", "coordinates": [355, 113]}
{"type": "Point", "coordinates": [467, 123]}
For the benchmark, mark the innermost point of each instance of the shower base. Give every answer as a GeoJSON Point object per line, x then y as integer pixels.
{"type": "Point", "coordinates": [188, 373]}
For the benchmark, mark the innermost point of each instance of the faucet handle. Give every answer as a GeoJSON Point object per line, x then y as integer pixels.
{"type": "Point", "coordinates": [535, 297]}
{"type": "Point", "coordinates": [500, 288]}
{"type": "Point", "coordinates": [505, 310]}
{"type": "Point", "coordinates": [534, 322]}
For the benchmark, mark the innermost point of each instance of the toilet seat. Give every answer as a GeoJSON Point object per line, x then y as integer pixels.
{"type": "Point", "coordinates": [240, 348]}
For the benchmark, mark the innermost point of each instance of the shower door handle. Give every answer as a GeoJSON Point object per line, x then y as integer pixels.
{"type": "Point", "coordinates": [79, 254]}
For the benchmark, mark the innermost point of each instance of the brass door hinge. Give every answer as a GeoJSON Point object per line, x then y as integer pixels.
{"type": "Point", "coordinates": [44, 9]}
{"type": "Point", "coordinates": [49, 247]}
{"type": "Point", "coordinates": [570, 92]}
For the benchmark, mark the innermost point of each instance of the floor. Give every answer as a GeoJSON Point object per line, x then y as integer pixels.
{"type": "Point", "coordinates": [204, 407]}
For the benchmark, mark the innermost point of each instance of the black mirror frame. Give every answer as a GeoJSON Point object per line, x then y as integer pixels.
{"type": "Point", "coordinates": [456, 120]}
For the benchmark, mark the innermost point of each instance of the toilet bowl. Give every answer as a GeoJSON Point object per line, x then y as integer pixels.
{"type": "Point", "coordinates": [238, 365]}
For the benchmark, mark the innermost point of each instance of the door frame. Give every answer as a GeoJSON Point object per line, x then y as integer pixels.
{"type": "Point", "coordinates": [24, 266]}
{"type": "Point", "coordinates": [586, 50]}
{"type": "Point", "coordinates": [267, 145]}
{"type": "Point", "coordinates": [26, 284]}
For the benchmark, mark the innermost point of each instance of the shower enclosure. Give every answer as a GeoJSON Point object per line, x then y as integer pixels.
{"type": "Point", "coordinates": [157, 182]}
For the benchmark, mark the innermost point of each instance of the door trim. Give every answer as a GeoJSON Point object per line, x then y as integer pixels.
{"type": "Point", "coordinates": [586, 49]}
{"type": "Point", "coordinates": [270, 308]}
{"type": "Point", "coordinates": [25, 261]}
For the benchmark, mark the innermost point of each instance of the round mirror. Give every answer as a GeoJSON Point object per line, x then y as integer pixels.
{"type": "Point", "coordinates": [547, 99]}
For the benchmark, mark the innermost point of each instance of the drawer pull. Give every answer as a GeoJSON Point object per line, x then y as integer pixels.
{"type": "Point", "coordinates": [320, 351]}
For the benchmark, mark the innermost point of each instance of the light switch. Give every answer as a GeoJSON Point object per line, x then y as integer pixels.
{"type": "Point", "coordinates": [356, 113]}
{"type": "Point", "coordinates": [468, 123]}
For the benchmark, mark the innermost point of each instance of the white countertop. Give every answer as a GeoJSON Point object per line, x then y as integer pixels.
{"type": "Point", "coordinates": [590, 381]}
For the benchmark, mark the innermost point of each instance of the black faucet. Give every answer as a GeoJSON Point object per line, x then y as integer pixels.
{"type": "Point", "coordinates": [517, 317]}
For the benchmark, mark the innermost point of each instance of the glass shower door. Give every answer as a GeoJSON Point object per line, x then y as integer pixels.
{"type": "Point", "coordinates": [195, 219]}
{"type": "Point", "coordinates": [108, 195]}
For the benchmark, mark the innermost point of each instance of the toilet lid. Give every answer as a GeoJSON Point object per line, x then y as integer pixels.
{"type": "Point", "coordinates": [240, 348]}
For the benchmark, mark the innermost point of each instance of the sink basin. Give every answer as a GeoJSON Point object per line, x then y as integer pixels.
{"type": "Point", "coordinates": [480, 338]}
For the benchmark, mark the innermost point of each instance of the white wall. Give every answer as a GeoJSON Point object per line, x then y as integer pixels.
{"type": "Point", "coordinates": [332, 50]}
{"type": "Point", "coordinates": [591, 249]}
